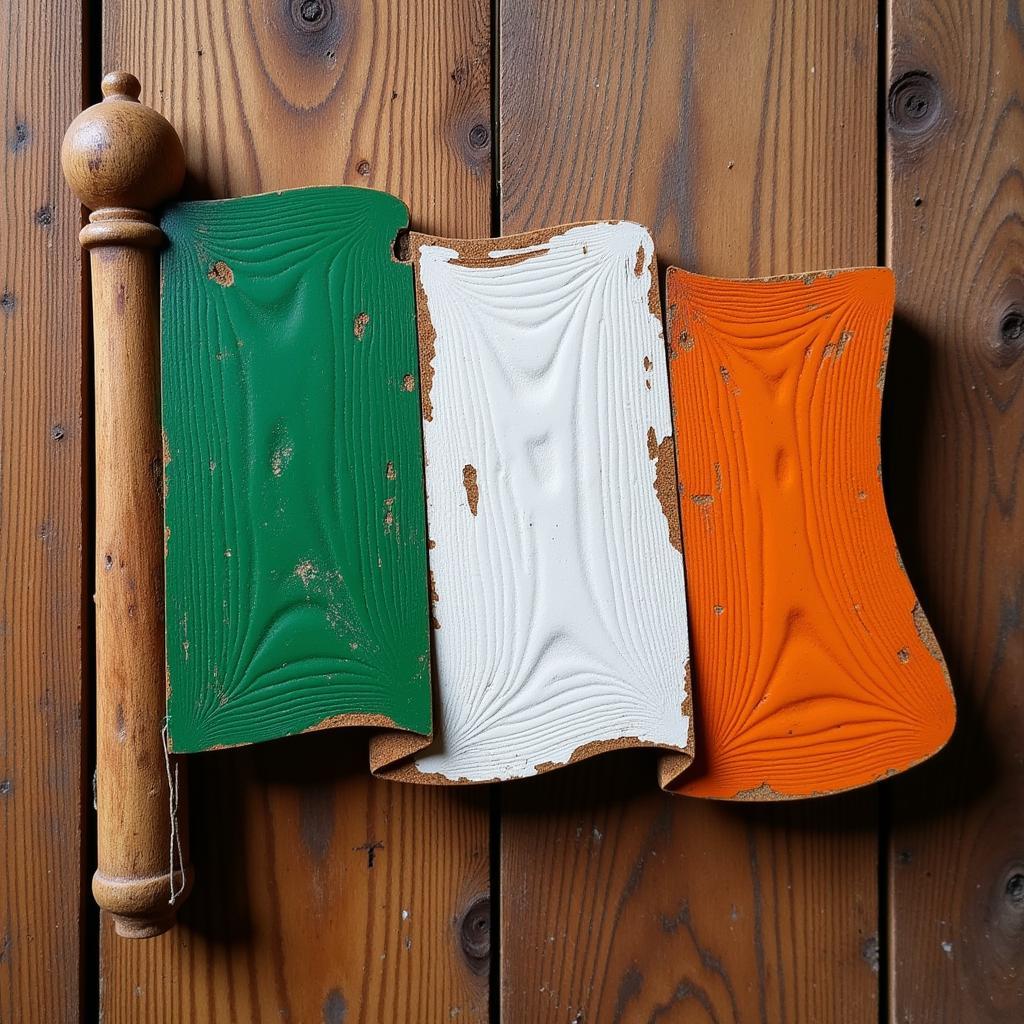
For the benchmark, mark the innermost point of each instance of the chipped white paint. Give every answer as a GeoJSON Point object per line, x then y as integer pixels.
{"type": "Point", "coordinates": [561, 614]}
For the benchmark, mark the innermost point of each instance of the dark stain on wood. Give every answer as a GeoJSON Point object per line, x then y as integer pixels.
{"type": "Point", "coordinates": [371, 846]}
{"type": "Point", "coordinates": [316, 820]}
{"type": "Point", "coordinates": [709, 960]}
{"type": "Point", "coordinates": [335, 1009]}
{"type": "Point", "coordinates": [869, 952]}
{"type": "Point", "coordinates": [19, 137]}
{"type": "Point", "coordinates": [630, 988]}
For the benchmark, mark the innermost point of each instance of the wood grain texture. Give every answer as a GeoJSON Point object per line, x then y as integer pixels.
{"type": "Point", "coordinates": [744, 136]}
{"type": "Point", "coordinates": [42, 509]}
{"type": "Point", "coordinates": [121, 152]}
{"type": "Point", "coordinates": [816, 668]}
{"type": "Point", "coordinates": [139, 866]}
{"type": "Point", "coordinates": [320, 896]}
{"type": "Point", "coordinates": [296, 560]}
{"type": "Point", "coordinates": [556, 571]}
{"type": "Point", "coordinates": [287, 917]}
{"type": "Point", "coordinates": [955, 479]}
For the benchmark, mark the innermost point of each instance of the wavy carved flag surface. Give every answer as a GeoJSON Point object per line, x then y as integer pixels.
{"type": "Point", "coordinates": [817, 670]}
{"type": "Point", "coordinates": [295, 529]}
{"type": "Point", "coordinates": [438, 496]}
{"type": "Point", "coordinates": [555, 561]}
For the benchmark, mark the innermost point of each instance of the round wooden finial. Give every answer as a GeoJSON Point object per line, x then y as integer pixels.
{"type": "Point", "coordinates": [121, 152]}
{"type": "Point", "coordinates": [120, 83]}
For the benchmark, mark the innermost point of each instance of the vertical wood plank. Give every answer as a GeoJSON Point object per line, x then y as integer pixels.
{"type": "Point", "coordinates": [41, 521]}
{"type": "Point", "coordinates": [321, 894]}
{"type": "Point", "coordinates": [744, 135]}
{"type": "Point", "coordinates": [955, 476]}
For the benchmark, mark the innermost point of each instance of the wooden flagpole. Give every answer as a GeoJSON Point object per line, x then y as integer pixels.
{"type": "Point", "coordinates": [123, 160]}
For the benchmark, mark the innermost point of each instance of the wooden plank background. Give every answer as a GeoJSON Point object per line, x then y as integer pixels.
{"type": "Point", "coordinates": [955, 423]}
{"type": "Point", "coordinates": [44, 533]}
{"type": "Point", "coordinates": [322, 894]}
{"type": "Point", "coordinates": [753, 137]}
{"type": "Point", "coordinates": [624, 903]}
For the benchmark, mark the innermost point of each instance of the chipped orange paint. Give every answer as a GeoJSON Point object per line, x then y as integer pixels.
{"type": "Point", "coordinates": [814, 669]}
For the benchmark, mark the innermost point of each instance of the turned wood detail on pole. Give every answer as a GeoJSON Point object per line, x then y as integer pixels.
{"type": "Point", "coordinates": [123, 160]}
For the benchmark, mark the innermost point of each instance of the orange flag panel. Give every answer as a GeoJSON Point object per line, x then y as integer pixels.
{"type": "Point", "coordinates": [815, 669]}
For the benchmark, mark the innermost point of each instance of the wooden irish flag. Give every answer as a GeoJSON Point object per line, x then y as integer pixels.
{"type": "Point", "coordinates": [430, 486]}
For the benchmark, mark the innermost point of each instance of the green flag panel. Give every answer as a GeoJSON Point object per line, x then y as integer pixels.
{"type": "Point", "coordinates": [296, 567]}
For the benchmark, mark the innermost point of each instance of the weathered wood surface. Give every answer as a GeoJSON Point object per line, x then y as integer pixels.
{"type": "Point", "coordinates": [556, 566]}
{"type": "Point", "coordinates": [43, 441]}
{"type": "Point", "coordinates": [321, 895]}
{"type": "Point", "coordinates": [745, 138]}
{"type": "Point", "coordinates": [955, 478]}
{"type": "Point", "coordinates": [817, 669]}
{"type": "Point", "coordinates": [296, 550]}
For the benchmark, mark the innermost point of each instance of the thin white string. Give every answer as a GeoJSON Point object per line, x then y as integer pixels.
{"type": "Point", "coordinates": [172, 788]}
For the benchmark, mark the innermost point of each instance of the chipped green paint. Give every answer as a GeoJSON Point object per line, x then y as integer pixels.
{"type": "Point", "coordinates": [296, 569]}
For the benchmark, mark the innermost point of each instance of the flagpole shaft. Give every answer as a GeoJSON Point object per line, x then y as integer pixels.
{"type": "Point", "coordinates": [123, 160]}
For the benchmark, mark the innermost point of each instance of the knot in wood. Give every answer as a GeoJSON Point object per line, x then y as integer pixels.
{"type": "Point", "coordinates": [475, 934]}
{"type": "Point", "coordinates": [311, 15]}
{"type": "Point", "coordinates": [915, 103]}
{"type": "Point", "coordinates": [1015, 891]}
{"type": "Point", "coordinates": [1011, 327]}
{"type": "Point", "coordinates": [1004, 336]}
{"type": "Point", "coordinates": [479, 136]}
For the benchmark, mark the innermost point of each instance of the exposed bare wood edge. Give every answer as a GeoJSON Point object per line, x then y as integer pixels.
{"type": "Point", "coordinates": [671, 764]}
{"type": "Point", "coordinates": [123, 160]}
